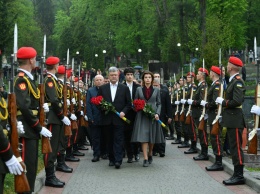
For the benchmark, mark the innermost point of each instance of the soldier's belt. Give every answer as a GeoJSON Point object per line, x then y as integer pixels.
{"type": "Point", "coordinates": [35, 112]}
{"type": "Point", "coordinates": [234, 107]}
{"type": "Point", "coordinates": [49, 104]}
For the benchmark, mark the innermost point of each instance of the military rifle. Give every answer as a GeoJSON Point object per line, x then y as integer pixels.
{"type": "Point", "coordinates": [81, 118]}
{"type": "Point", "coordinates": [176, 117]}
{"type": "Point", "coordinates": [46, 145]}
{"type": "Point", "coordinates": [188, 116]}
{"type": "Point", "coordinates": [202, 121]}
{"type": "Point", "coordinates": [182, 114]}
{"type": "Point", "coordinates": [20, 181]}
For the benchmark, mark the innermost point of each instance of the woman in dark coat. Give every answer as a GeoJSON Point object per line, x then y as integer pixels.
{"type": "Point", "coordinates": [147, 130]}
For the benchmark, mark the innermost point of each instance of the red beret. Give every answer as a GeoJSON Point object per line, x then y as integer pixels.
{"type": "Point", "coordinates": [52, 60]}
{"type": "Point", "coordinates": [191, 74]}
{"type": "Point", "coordinates": [69, 73]}
{"type": "Point", "coordinates": [215, 69]}
{"type": "Point", "coordinates": [76, 79]}
{"type": "Point", "coordinates": [235, 61]}
{"type": "Point", "coordinates": [61, 69]}
{"type": "Point", "coordinates": [204, 70]}
{"type": "Point", "coordinates": [26, 53]}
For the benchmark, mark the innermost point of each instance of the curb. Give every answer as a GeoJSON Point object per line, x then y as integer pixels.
{"type": "Point", "coordinates": [39, 182]}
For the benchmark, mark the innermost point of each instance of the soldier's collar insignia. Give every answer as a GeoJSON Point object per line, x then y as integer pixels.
{"type": "Point", "coordinates": [22, 86]}
{"type": "Point", "coordinates": [48, 75]}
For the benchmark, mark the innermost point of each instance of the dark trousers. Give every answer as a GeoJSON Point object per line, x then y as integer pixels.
{"type": "Point", "coordinates": [30, 158]}
{"type": "Point", "coordinates": [235, 142]}
{"type": "Point", "coordinates": [178, 129]}
{"type": "Point", "coordinates": [216, 143]}
{"type": "Point", "coordinates": [96, 138]}
{"type": "Point", "coordinates": [203, 136]}
{"type": "Point", "coordinates": [116, 142]}
{"type": "Point", "coordinates": [192, 129]}
{"type": "Point", "coordinates": [104, 148]}
{"type": "Point", "coordinates": [62, 142]}
{"type": "Point", "coordinates": [130, 147]}
{"type": "Point", "coordinates": [56, 138]}
{"type": "Point", "coordinates": [2, 179]}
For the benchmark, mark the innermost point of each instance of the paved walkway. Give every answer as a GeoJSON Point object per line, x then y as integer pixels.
{"type": "Point", "coordinates": [175, 173]}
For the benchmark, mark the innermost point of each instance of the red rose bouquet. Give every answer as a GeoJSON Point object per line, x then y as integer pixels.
{"type": "Point", "coordinates": [140, 104]}
{"type": "Point", "coordinates": [107, 106]}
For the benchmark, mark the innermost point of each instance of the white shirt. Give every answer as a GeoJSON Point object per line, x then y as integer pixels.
{"type": "Point", "coordinates": [53, 75]}
{"type": "Point", "coordinates": [113, 88]}
{"type": "Point", "coordinates": [27, 73]}
{"type": "Point", "coordinates": [130, 86]}
{"type": "Point", "coordinates": [232, 77]}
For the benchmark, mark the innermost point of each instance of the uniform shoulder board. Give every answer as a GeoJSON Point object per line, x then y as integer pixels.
{"type": "Point", "coordinates": [48, 75]}
{"type": "Point", "coordinates": [237, 77]}
{"type": "Point", "coordinates": [21, 74]}
{"type": "Point", "coordinates": [217, 87]}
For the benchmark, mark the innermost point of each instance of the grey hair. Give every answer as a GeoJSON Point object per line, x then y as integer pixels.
{"type": "Point", "coordinates": [112, 69]}
{"type": "Point", "coordinates": [156, 80]}
{"type": "Point", "coordinates": [98, 76]}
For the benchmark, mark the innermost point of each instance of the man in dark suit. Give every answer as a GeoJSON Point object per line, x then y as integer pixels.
{"type": "Point", "coordinates": [131, 148]}
{"type": "Point", "coordinates": [165, 116]}
{"type": "Point", "coordinates": [119, 95]}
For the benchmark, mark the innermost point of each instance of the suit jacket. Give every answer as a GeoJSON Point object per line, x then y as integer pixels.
{"type": "Point", "coordinates": [131, 113]}
{"type": "Point", "coordinates": [197, 98]}
{"type": "Point", "coordinates": [212, 107]}
{"type": "Point", "coordinates": [166, 109]}
{"type": "Point", "coordinates": [122, 103]}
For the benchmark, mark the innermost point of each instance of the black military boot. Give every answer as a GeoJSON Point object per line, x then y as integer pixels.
{"type": "Point", "coordinates": [217, 166]}
{"type": "Point", "coordinates": [177, 141]}
{"type": "Point", "coordinates": [203, 155]}
{"type": "Point", "coordinates": [184, 144]}
{"type": "Point", "coordinates": [76, 151]}
{"type": "Point", "coordinates": [237, 178]}
{"type": "Point", "coordinates": [193, 148]}
{"type": "Point", "coordinates": [69, 156]}
{"type": "Point", "coordinates": [51, 180]}
{"type": "Point", "coordinates": [61, 165]}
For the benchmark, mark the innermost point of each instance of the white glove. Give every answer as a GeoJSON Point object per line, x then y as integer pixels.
{"type": "Point", "coordinates": [219, 100]}
{"type": "Point", "coordinates": [203, 103]}
{"type": "Point", "coordinates": [81, 113]}
{"type": "Point", "coordinates": [177, 102]}
{"type": "Point", "coordinates": [190, 101]}
{"type": "Point", "coordinates": [252, 134]}
{"type": "Point", "coordinates": [86, 117]}
{"type": "Point", "coordinates": [81, 103]}
{"type": "Point", "coordinates": [66, 120]}
{"type": "Point", "coordinates": [183, 101]}
{"type": "Point", "coordinates": [68, 102]}
{"type": "Point", "coordinates": [45, 132]}
{"type": "Point", "coordinates": [255, 109]}
{"type": "Point", "coordinates": [73, 101]}
{"type": "Point", "coordinates": [14, 166]}
{"type": "Point", "coordinates": [73, 117]}
{"type": "Point", "coordinates": [46, 107]}
{"type": "Point", "coordinates": [20, 128]}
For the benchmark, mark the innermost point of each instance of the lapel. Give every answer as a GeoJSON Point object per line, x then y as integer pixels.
{"type": "Point", "coordinates": [108, 92]}
{"type": "Point", "coordinates": [117, 92]}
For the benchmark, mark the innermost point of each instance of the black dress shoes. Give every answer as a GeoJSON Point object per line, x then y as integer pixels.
{"type": "Point", "coordinates": [150, 159]}
{"type": "Point", "coordinates": [117, 165]}
{"type": "Point", "coordinates": [130, 160]}
{"type": "Point", "coordinates": [215, 167]}
{"type": "Point", "coordinates": [191, 151]}
{"type": "Point", "coordinates": [177, 141]}
{"type": "Point", "coordinates": [162, 155]}
{"type": "Point", "coordinates": [137, 157]}
{"type": "Point", "coordinates": [72, 159]}
{"type": "Point", "coordinates": [53, 182]}
{"type": "Point", "coordinates": [111, 163]}
{"type": "Point", "coordinates": [64, 168]}
{"type": "Point", "coordinates": [77, 153]}
{"type": "Point", "coordinates": [82, 147]}
{"type": "Point", "coordinates": [145, 163]}
{"type": "Point", "coordinates": [201, 157]}
{"type": "Point", "coordinates": [184, 145]}
{"type": "Point", "coordinates": [95, 159]}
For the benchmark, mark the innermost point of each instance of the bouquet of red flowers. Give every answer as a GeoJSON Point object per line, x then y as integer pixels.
{"type": "Point", "coordinates": [107, 106]}
{"type": "Point", "coordinates": [140, 104]}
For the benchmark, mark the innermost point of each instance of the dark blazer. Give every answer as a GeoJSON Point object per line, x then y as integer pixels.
{"type": "Point", "coordinates": [122, 103]}
{"type": "Point", "coordinates": [166, 109]}
{"type": "Point", "coordinates": [131, 113]}
{"type": "Point", "coordinates": [93, 112]}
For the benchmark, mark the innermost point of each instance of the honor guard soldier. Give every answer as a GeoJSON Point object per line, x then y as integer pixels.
{"type": "Point", "coordinates": [196, 113]}
{"type": "Point", "coordinates": [211, 106]}
{"type": "Point", "coordinates": [232, 104]}
{"type": "Point", "coordinates": [61, 165]}
{"type": "Point", "coordinates": [190, 127]}
{"type": "Point", "coordinates": [56, 118]}
{"type": "Point", "coordinates": [27, 111]}
{"type": "Point", "coordinates": [7, 160]}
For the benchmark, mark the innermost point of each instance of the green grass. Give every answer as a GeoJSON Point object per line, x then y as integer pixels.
{"type": "Point", "coordinates": [250, 169]}
{"type": "Point", "coordinates": [9, 179]}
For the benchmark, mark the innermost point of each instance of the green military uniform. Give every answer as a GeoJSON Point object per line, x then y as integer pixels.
{"type": "Point", "coordinates": [53, 96]}
{"type": "Point", "coordinates": [233, 112]}
{"type": "Point", "coordinates": [27, 100]}
{"type": "Point", "coordinates": [191, 128]}
{"type": "Point", "coordinates": [5, 149]}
